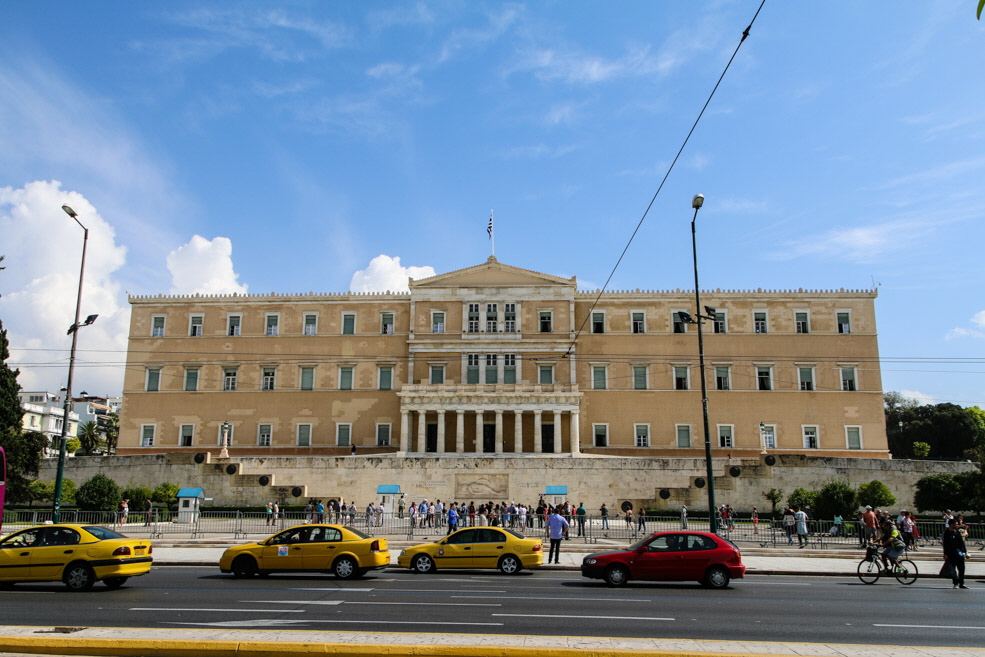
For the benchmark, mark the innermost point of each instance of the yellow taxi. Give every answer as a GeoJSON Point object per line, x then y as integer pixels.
{"type": "Point", "coordinates": [78, 555]}
{"type": "Point", "coordinates": [475, 547]}
{"type": "Point", "coordinates": [344, 551]}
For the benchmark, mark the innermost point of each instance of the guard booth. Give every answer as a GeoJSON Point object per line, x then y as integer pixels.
{"type": "Point", "coordinates": [555, 494]}
{"type": "Point", "coordinates": [189, 504]}
{"type": "Point", "coordinates": [389, 489]}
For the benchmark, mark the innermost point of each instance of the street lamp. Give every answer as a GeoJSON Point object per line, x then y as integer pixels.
{"type": "Point", "coordinates": [73, 330]}
{"type": "Point", "coordinates": [696, 203]}
{"type": "Point", "coordinates": [224, 452]}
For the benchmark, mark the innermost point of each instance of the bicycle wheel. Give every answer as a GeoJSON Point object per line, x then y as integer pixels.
{"type": "Point", "coordinates": [906, 572]}
{"type": "Point", "coordinates": [869, 570]}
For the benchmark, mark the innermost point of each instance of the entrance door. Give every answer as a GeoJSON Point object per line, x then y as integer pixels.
{"type": "Point", "coordinates": [547, 438]}
{"type": "Point", "coordinates": [432, 438]}
{"type": "Point", "coordinates": [488, 437]}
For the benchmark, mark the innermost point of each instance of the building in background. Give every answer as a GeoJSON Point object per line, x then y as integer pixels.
{"type": "Point", "coordinates": [495, 359]}
{"type": "Point", "coordinates": [44, 412]}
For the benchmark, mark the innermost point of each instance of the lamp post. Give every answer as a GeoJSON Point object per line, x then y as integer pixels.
{"type": "Point", "coordinates": [696, 203]}
{"type": "Point", "coordinates": [73, 330]}
{"type": "Point", "coordinates": [224, 452]}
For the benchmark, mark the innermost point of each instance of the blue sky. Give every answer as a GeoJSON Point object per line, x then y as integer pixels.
{"type": "Point", "coordinates": [327, 146]}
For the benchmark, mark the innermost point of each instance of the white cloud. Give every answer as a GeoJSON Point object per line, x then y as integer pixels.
{"type": "Point", "coordinates": [386, 274]}
{"type": "Point", "coordinates": [43, 249]}
{"type": "Point", "coordinates": [204, 267]}
{"type": "Point", "coordinates": [922, 397]}
{"type": "Point", "coordinates": [978, 319]}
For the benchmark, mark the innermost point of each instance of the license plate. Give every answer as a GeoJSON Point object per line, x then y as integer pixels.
{"type": "Point", "coordinates": [140, 550]}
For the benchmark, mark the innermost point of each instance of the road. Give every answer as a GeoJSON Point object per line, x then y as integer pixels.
{"type": "Point", "coordinates": [760, 608]}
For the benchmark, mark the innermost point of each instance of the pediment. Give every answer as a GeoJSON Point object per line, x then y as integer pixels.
{"type": "Point", "coordinates": [492, 273]}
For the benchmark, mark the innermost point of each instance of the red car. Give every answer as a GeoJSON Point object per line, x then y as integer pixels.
{"type": "Point", "coordinates": [667, 557]}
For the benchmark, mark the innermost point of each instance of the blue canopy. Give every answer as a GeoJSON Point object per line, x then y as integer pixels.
{"type": "Point", "coordinates": [191, 492]}
{"type": "Point", "coordinates": [388, 489]}
{"type": "Point", "coordinates": [555, 490]}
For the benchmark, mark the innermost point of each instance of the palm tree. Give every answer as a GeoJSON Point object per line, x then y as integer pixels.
{"type": "Point", "coordinates": [89, 437]}
{"type": "Point", "coordinates": [111, 429]}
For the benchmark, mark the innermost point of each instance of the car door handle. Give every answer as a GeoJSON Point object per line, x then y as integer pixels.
{"type": "Point", "coordinates": [23, 554]}
{"type": "Point", "coordinates": [499, 547]}
{"type": "Point", "coordinates": [68, 551]}
{"type": "Point", "coordinates": [296, 548]}
{"type": "Point", "coordinates": [468, 548]}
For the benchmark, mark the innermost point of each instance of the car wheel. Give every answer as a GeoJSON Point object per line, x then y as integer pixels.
{"type": "Point", "coordinates": [510, 564]}
{"type": "Point", "coordinates": [115, 582]}
{"type": "Point", "coordinates": [423, 564]}
{"type": "Point", "coordinates": [345, 568]}
{"type": "Point", "coordinates": [244, 566]}
{"type": "Point", "coordinates": [79, 577]}
{"type": "Point", "coordinates": [616, 575]}
{"type": "Point", "coordinates": [716, 578]}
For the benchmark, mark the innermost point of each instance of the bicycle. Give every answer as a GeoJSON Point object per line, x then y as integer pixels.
{"type": "Point", "coordinates": [870, 569]}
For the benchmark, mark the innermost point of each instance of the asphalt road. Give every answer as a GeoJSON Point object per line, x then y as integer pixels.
{"type": "Point", "coordinates": [764, 608]}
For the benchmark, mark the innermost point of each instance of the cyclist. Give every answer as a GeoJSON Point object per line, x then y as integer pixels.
{"type": "Point", "coordinates": [892, 542]}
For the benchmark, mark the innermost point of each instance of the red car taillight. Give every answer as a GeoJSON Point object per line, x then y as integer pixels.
{"type": "Point", "coordinates": [538, 547]}
{"type": "Point", "coordinates": [122, 551]}
{"type": "Point", "coordinates": [374, 546]}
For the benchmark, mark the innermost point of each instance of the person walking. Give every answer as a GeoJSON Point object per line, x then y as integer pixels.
{"type": "Point", "coordinates": [789, 524]}
{"type": "Point", "coordinates": [604, 513]}
{"type": "Point", "coordinates": [452, 518]}
{"type": "Point", "coordinates": [755, 520]}
{"type": "Point", "coordinates": [580, 514]}
{"type": "Point", "coordinates": [557, 531]}
{"type": "Point", "coordinates": [800, 517]}
{"type": "Point", "coordinates": [683, 517]}
{"type": "Point", "coordinates": [955, 552]}
{"type": "Point", "coordinates": [270, 513]}
{"type": "Point", "coordinates": [641, 520]}
{"type": "Point", "coordinates": [148, 510]}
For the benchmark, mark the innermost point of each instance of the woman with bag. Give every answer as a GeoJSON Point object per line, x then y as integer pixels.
{"type": "Point", "coordinates": [954, 552]}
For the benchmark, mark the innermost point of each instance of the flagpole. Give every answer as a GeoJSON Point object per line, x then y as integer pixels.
{"type": "Point", "coordinates": [492, 234]}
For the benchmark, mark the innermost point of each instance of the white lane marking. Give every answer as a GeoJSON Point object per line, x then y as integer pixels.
{"type": "Point", "coordinates": [934, 627]}
{"type": "Point", "coordinates": [240, 610]}
{"type": "Point", "coordinates": [592, 617]}
{"type": "Point", "coordinates": [336, 590]}
{"type": "Point", "coordinates": [293, 602]}
{"type": "Point", "coordinates": [283, 621]}
{"type": "Point", "coordinates": [557, 597]}
{"type": "Point", "coordinates": [428, 604]}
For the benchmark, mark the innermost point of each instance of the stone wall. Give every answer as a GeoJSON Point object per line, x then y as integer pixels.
{"type": "Point", "coordinates": [590, 479]}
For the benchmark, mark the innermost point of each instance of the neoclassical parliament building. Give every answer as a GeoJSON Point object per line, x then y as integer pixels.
{"type": "Point", "coordinates": [498, 360]}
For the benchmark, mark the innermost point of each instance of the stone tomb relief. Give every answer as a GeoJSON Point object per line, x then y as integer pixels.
{"type": "Point", "coordinates": [482, 487]}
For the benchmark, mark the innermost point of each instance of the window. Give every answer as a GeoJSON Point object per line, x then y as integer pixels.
{"type": "Point", "coordinates": [848, 379]}
{"type": "Point", "coordinates": [345, 378]}
{"type": "Point", "coordinates": [546, 317]}
{"type": "Point", "coordinates": [492, 372]}
{"type": "Point", "coordinates": [157, 326]}
{"type": "Point", "coordinates": [191, 379]}
{"type": "Point", "coordinates": [598, 378]}
{"type": "Point", "coordinates": [147, 432]}
{"type": "Point", "coordinates": [264, 434]}
{"type": "Point", "coordinates": [310, 324]}
{"type": "Point", "coordinates": [195, 326]}
{"type": "Point", "coordinates": [509, 318]}
{"type": "Point", "coordinates": [725, 435]}
{"type": "Point", "coordinates": [268, 379]}
{"type": "Point", "coordinates": [810, 437]}
{"type": "Point", "coordinates": [386, 378]}
{"type": "Point", "coordinates": [545, 374]}
{"type": "Point", "coordinates": [153, 383]}
{"type": "Point", "coordinates": [383, 435]}
{"type": "Point", "coordinates": [272, 324]}
{"type": "Point", "coordinates": [601, 435]}
{"type": "Point", "coordinates": [719, 323]}
{"type": "Point", "coordinates": [227, 439]}
{"type": "Point", "coordinates": [759, 321]}
{"type": "Point", "coordinates": [642, 435]}
{"type": "Point", "coordinates": [764, 378]}
{"type": "Point", "coordinates": [186, 435]}
{"type": "Point", "coordinates": [437, 322]}
{"type": "Point", "coordinates": [233, 324]}
{"type": "Point", "coordinates": [679, 325]}
{"type": "Point", "coordinates": [509, 368]}
{"type": "Point", "coordinates": [386, 323]}
{"type": "Point", "coordinates": [639, 377]}
{"type": "Point", "coordinates": [229, 378]}
{"type": "Point", "coordinates": [437, 374]}
{"type": "Point", "coordinates": [853, 436]}
{"type": "Point", "coordinates": [343, 435]}
{"type": "Point", "coordinates": [639, 322]}
{"type": "Point", "coordinates": [802, 322]}
{"type": "Point", "coordinates": [723, 377]}
{"type": "Point", "coordinates": [307, 378]}
{"type": "Point", "coordinates": [806, 377]}
{"type": "Point", "coordinates": [680, 377]}
{"type": "Point", "coordinates": [683, 435]}
{"type": "Point", "coordinates": [598, 322]}
{"type": "Point", "coordinates": [473, 318]}
{"type": "Point", "coordinates": [304, 435]}
{"type": "Point", "coordinates": [348, 323]}
{"type": "Point", "coordinates": [472, 369]}
{"type": "Point", "coordinates": [492, 317]}
{"type": "Point", "coordinates": [844, 322]}
{"type": "Point", "coordinates": [768, 435]}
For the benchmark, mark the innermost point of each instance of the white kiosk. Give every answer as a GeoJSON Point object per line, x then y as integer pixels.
{"type": "Point", "coordinates": [189, 501]}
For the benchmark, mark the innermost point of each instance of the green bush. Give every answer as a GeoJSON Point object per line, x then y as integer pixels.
{"type": "Point", "coordinates": [802, 498]}
{"type": "Point", "coordinates": [835, 498]}
{"type": "Point", "coordinates": [875, 494]}
{"type": "Point", "coordinates": [100, 493]}
{"type": "Point", "coordinates": [937, 492]}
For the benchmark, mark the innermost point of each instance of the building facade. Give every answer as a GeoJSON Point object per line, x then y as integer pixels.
{"type": "Point", "coordinates": [45, 413]}
{"type": "Point", "coordinates": [495, 359]}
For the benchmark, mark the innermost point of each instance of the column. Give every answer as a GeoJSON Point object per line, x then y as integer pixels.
{"type": "Point", "coordinates": [557, 432]}
{"type": "Point", "coordinates": [575, 433]}
{"type": "Point", "coordinates": [404, 431]}
{"type": "Point", "coordinates": [478, 431]}
{"type": "Point", "coordinates": [538, 436]}
{"type": "Point", "coordinates": [499, 431]}
{"type": "Point", "coordinates": [422, 428]}
{"type": "Point", "coordinates": [441, 431]}
{"type": "Point", "coordinates": [518, 432]}
{"type": "Point", "coordinates": [459, 431]}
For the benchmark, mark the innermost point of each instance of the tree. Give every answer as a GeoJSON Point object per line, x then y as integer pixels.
{"type": "Point", "coordinates": [11, 413]}
{"type": "Point", "coordinates": [25, 450]}
{"type": "Point", "coordinates": [166, 494]}
{"type": "Point", "coordinates": [137, 495]}
{"type": "Point", "coordinates": [99, 493]}
{"type": "Point", "coordinates": [875, 494]}
{"type": "Point", "coordinates": [40, 491]}
{"type": "Point", "coordinates": [921, 450]}
{"type": "Point", "coordinates": [938, 492]}
{"type": "Point", "coordinates": [897, 409]}
{"type": "Point", "coordinates": [89, 437]}
{"type": "Point", "coordinates": [111, 430]}
{"type": "Point", "coordinates": [72, 445]}
{"type": "Point", "coordinates": [802, 498]}
{"type": "Point", "coordinates": [774, 496]}
{"type": "Point", "coordinates": [836, 498]}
